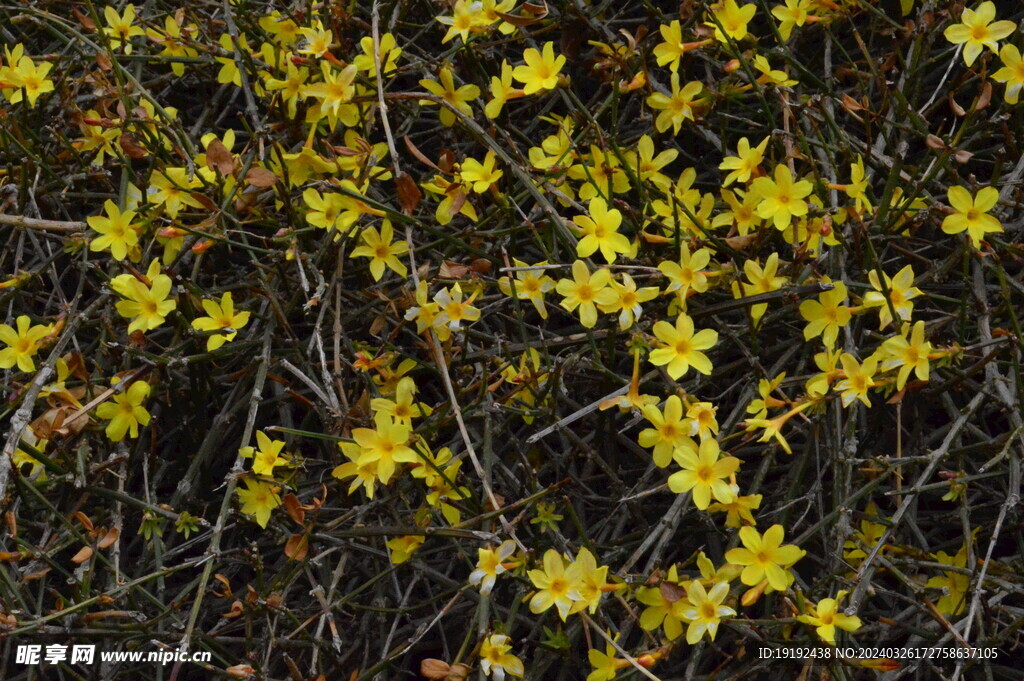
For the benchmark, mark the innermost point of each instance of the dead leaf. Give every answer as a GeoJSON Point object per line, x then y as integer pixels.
{"type": "Point", "coordinates": [452, 270]}
{"type": "Point", "coordinates": [219, 158]}
{"type": "Point", "coordinates": [294, 509]}
{"type": "Point", "coordinates": [481, 266]}
{"type": "Point", "coordinates": [957, 109]}
{"type": "Point", "coordinates": [934, 142]}
{"type": "Point", "coordinates": [84, 554]}
{"type": "Point", "coordinates": [414, 150]}
{"type": "Point", "coordinates": [236, 611]}
{"type": "Point", "coordinates": [409, 195]}
{"type": "Point", "coordinates": [131, 146]}
{"type": "Point", "coordinates": [84, 20]}
{"type": "Point", "coordinates": [985, 97]}
{"type": "Point", "coordinates": [83, 520]}
{"type": "Point", "coordinates": [261, 177]}
{"type": "Point", "coordinates": [240, 671]}
{"type": "Point", "coordinates": [458, 672]}
{"type": "Point", "coordinates": [431, 668]}
{"type": "Point", "coordinates": [109, 538]}
{"type": "Point", "coordinates": [297, 547]}
{"type": "Point", "coordinates": [671, 591]}
{"type": "Point", "coordinates": [205, 201]}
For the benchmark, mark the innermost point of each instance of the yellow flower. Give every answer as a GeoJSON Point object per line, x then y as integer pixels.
{"type": "Point", "coordinates": [704, 474]}
{"type": "Point", "coordinates": [742, 211]}
{"type": "Point", "coordinates": [174, 190]}
{"type": "Point", "coordinates": [676, 107]}
{"type": "Point", "coordinates": [496, 660]}
{"type": "Point", "coordinates": [865, 539]}
{"type": "Point", "coordinates": [292, 87]}
{"type": "Point", "coordinates": [909, 356]}
{"type": "Point", "coordinates": [671, 431]}
{"type": "Point", "coordinates": [601, 231]}
{"type": "Point", "coordinates": [826, 618]}
{"type": "Point", "coordinates": [125, 412]}
{"type": "Point", "coordinates": [1012, 73]}
{"type": "Point", "coordinates": [733, 20]}
{"type": "Point", "coordinates": [446, 90]}
{"type": "Point", "coordinates": [826, 315]}
{"type": "Point", "coordinates": [491, 563]}
{"type": "Point", "coordinates": [953, 584]}
{"type": "Point", "coordinates": [688, 274]}
{"type": "Point", "coordinates": [266, 455]}
{"type": "Point", "coordinates": [335, 93]}
{"type": "Point", "coordinates": [452, 310]}
{"type": "Point", "coordinates": [404, 407]}
{"type": "Point", "coordinates": [540, 72]}
{"type": "Point", "coordinates": [502, 90]}
{"type": "Point", "coordinates": [95, 137]}
{"type": "Point", "coordinates": [318, 40]}
{"type": "Point", "coordinates": [977, 30]}
{"type": "Point", "coordinates": [586, 291]}
{"type": "Point", "coordinates": [424, 312]}
{"type": "Point", "coordinates": [858, 378]}
{"type": "Point", "coordinates": [466, 17]}
{"type": "Point", "coordinates": [382, 250]}
{"type": "Point", "coordinates": [764, 557]}
{"type": "Point", "coordinates": [793, 13]}
{"type": "Point", "coordinates": [146, 304]}
{"type": "Point", "coordinates": [593, 582]}
{"type": "Point", "coordinates": [768, 75]}
{"type": "Point", "coordinates": [375, 453]}
{"type": "Point", "coordinates": [762, 280]}
{"type": "Point", "coordinates": [121, 28]}
{"type": "Point", "coordinates": [738, 511]}
{"type": "Point", "coordinates": [972, 213]}
{"type": "Point", "coordinates": [480, 175]}
{"type": "Point", "coordinates": [557, 585]}
{"type": "Point", "coordinates": [662, 611]}
{"type": "Point", "coordinates": [172, 40]}
{"type": "Point", "coordinates": [402, 548]}
{"type": "Point", "coordinates": [331, 211]}
{"type": "Point", "coordinates": [222, 318]}
{"type": "Point", "coordinates": [628, 299]}
{"type": "Point", "coordinates": [901, 294]}
{"type": "Point", "coordinates": [746, 161]}
{"type": "Point", "coordinates": [705, 611]}
{"type": "Point", "coordinates": [703, 416]}
{"type": "Point", "coordinates": [602, 177]}
{"type": "Point", "coordinates": [22, 344]}
{"type": "Point", "coordinates": [606, 665]}
{"type": "Point", "coordinates": [648, 166]}
{"type": "Point", "coordinates": [672, 48]}
{"type": "Point", "coordinates": [30, 79]}
{"type": "Point", "coordinates": [781, 199]}
{"type": "Point", "coordinates": [530, 284]}
{"type": "Point", "coordinates": [258, 499]}
{"type": "Point", "coordinates": [389, 53]}
{"type": "Point", "coordinates": [681, 347]}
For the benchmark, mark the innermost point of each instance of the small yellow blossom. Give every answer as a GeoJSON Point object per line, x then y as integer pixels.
{"type": "Point", "coordinates": [765, 557]}
{"type": "Point", "coordinates": [972, 213]}
{"type": "Point", "coordinates": [586, 291]}
{"type": "Point", "coordinates": [221, 317]}
{"type": "Point", "coordinates": [540, 72]}
{"type": "Point", "coordinates": [266, 455]}
{"type": "Point", "coordinates": [600, 231]}
{"type": "Point", "coordinates": [978, 30]}
{"type": "Point", "coordinates": [22, 344]}
{"type": "Point", "coordinates": [125, 412]}
{"type": "Point", "coordinates": [258, 499]}
{"type": "Point", "coordinates": [382, 250]}
{"type": "Point", "coordinates": [825, 617]}
{"type": "Point", "coordinates": [681, 348]}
